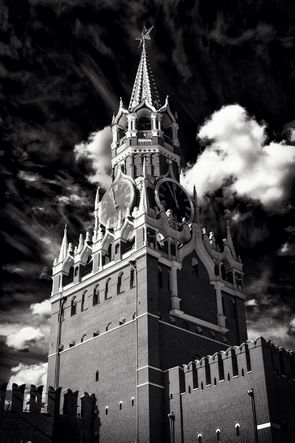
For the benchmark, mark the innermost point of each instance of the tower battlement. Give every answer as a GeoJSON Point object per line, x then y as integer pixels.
{"type": "Point", "coordinates": [234, 362]}
{"type": "Point", "coordinates": [58, 419]}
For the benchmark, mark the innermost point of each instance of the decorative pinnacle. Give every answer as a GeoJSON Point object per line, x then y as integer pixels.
{"type": "Point", "coordinates": [145, 35]}
{"type": "Point", "coordinates": [64, 246]}
{"type": "Point", "coordinates": [97, 198]}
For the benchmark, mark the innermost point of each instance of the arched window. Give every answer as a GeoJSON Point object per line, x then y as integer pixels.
{"type": "Point", "coordinates": [144, 124]}
{"type": "Point", "coordinates": [237, 426]}
{"type": "Point", "coordinates": [132, 401]}
{"type": "Point", "coordinates": [95, 299]}
{"type": "Point", "coordinates": [218, 434]}
{"type": "Point", "coordinates": [83, 301]}
{"type": "Point", "coordinates": [73, 306]}
{"type": "Point", "coordinates": [83, 337]}
{"type": "Point", "coordinates": [132, 278]}
{"type": "Point", "coordinates": [106, 291]}
{"type": "Point", "coordinates": [120, 405]}
{"type": "Point", "coordinates": [107, 410]}
{"type": "Point", "coordinates": [119, 283]}
{"type": "Point", "coordinates": [195, 266]}
{"type": "Point", "coordinates": [97, 375]}
{"type": "Point", "coordinates": [200, 438]}
{"type": "Point", "coordinates": [108, 326]}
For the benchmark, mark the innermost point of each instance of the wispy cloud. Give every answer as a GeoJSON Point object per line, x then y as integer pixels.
{"type": "Point", "coordinates": [98, 151]}
{"type": "Point", "coordinates": [237, 158]}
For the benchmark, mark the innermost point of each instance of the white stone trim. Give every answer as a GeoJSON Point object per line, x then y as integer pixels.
{"type": "Point", "coordinates": [191, 332]}
{"type": "Point", "coordinates": [151, 367]}
{"type": "Point", "coordinates": [111, 267]}
{"type": "Point", "coordinates": [152, 384]}
{"type": "Point", "coordinates": [229, 289]}
{"type": "Point", "coordinates": [198, 321]}
{"type": "Point", "coordinates": [268, 425]}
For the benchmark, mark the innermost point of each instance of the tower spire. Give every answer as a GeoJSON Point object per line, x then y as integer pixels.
{"type": "Point", "coordinates": [144, 85]}
{"type": "Point", "coordinates": [64, 246]}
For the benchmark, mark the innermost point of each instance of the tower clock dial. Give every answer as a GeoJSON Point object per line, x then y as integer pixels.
{"type": "Point", "coordinates": [118, 198]}
{"type": "Point", "coordinates": [170, 195]}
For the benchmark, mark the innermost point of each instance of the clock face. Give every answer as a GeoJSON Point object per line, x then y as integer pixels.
{"type": "Point", "coordinates": [119, 197]}
{"type": "Point", "coordinates": [170, 195]}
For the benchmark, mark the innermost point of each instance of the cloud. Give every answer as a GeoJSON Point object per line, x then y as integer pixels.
{"type": "Point", "coordinates": [291, 328]}
{"type": "Point", "coordinates": [251, 303]}
{"type": "Point", "coordinates": [25, 338]}
{"type": "Point", "coordinates": [237, 158]}
{"type": "Point", "coordinates": [29, 374]}
{"type": "Point", "coordinates": [42, 309]}
{"type": "Point", "coordinates": [97, 151]}
{"type": "Point", "coordinates": [287, 249]}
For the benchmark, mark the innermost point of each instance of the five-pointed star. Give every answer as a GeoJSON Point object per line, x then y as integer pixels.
{"type": "Point", "coordinates": [145, 35]}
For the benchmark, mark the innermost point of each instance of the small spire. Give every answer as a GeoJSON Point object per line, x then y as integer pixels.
{"type": "Point", "coordinates": [70, 248]}
{"type": "Point", "coordinates": [64, 246]}
{"type": "Point", "coordinates": [88, 238]}
{"type": "Point", "coordinates": [229, 240]}
{"type": "Point", "coordinates": [121, 103]}
{"type": "Point", "coordinates": [81, 243]}
{"type": "Point", "coordinates": [195, 201]}
{"type": "Point", "coordinates": [143, 203]}
{"type": "Point", "coordinates": [97, 198]}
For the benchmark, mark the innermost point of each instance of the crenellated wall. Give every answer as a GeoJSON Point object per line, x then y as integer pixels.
{"type": "Point", "coordinates": [244, 394]}
{"type": "Point", "coordinates": [25, 417]}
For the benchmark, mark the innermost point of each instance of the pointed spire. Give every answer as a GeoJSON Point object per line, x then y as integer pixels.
{"type": "Point", "coordinates": [88, 238]}
{"type": "Point", "coordinates": [144, 84]}
{"type": "Point", "coordinates": [97, 199]}
{"type": "Point", "coordinates": [81, 243]}
{"type": "Point", "coordinates": [229, 240]}
{"type": "Point", "coordinates": [64, 246]}
{"type": "Point", "coordinates": [195, 201]}
{"type": "Point", "coordinates": [143, 203]}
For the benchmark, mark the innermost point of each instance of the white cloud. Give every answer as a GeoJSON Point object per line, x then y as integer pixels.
{"type": "Point", "coordinates": [42, 309]}
{"type": "Point", "coordinates": [97, 150]}
{"type": "Point", "coordinates": [24, 338]}
{"type": "Point", "coordinates": [28, 374]}
{"type": "Point", "coordinates": [251, 302]}
{"type": "Point", "coordinates": [238, 158]}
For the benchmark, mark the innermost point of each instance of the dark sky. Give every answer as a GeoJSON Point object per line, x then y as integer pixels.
{"type": "Point", "coordinates": [63, 67]}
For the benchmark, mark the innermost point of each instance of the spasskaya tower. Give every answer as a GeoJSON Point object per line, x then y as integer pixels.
{"type": "Point", "coordinates": [148, 289]}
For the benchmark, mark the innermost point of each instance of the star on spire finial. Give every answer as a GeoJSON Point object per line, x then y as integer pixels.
{"type": "Point", "coordinates": [145, 35]}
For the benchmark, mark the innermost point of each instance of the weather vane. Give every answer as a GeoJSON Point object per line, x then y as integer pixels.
{"type": "Point", "coordinates": [145, 35]}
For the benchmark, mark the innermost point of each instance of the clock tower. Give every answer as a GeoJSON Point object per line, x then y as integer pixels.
{"type": "Point", "coordinates": [148, 289]}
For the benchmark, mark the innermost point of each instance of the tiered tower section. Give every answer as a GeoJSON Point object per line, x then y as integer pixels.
{"type": "Point", "coordinates": [148, 289]}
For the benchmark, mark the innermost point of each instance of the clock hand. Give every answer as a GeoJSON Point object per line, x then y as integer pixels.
{"type": "Point", "coordinates": [173, 193]}
{"type": "Point", "coordinates": [113, 196]}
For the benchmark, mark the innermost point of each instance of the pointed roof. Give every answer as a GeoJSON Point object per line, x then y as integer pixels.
{"type": "Point", "coordinates": [144, 85]}
{"type": "Point", "coordinates": [64, 246]}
